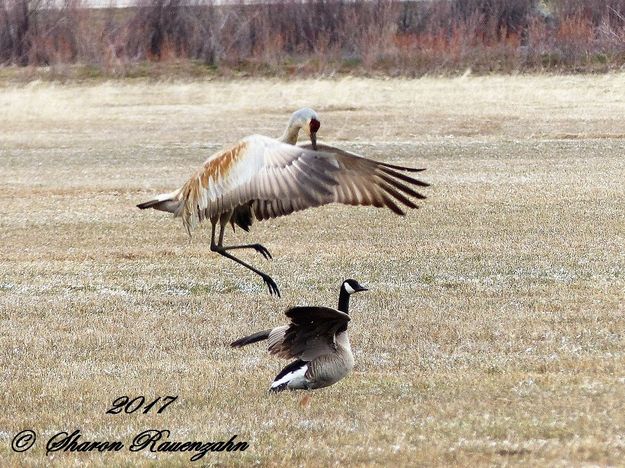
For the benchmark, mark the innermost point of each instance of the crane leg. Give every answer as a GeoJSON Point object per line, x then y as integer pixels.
{"type": "Point", "coordinates": [261, 249]}
{"type": "Point", "coordinates": [223, 251]}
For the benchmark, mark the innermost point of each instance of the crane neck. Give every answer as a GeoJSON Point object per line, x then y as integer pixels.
{"type": "Point", "coordinates": [290, 134]}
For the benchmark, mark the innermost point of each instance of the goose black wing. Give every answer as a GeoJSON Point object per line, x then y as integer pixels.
{"type": "Point", "coordinates": [311, 332]}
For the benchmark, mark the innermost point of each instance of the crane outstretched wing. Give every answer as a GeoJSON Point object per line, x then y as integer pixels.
{"type": "Point", "coordinates": [257, 168]}
{"type": "Point", "coordinates": [274, 179]}
{"type": "Point", "coordinates": [359, 181]}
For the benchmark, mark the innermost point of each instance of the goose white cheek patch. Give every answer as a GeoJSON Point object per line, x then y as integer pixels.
{"type": "Point", "coordinates": [349, 289]}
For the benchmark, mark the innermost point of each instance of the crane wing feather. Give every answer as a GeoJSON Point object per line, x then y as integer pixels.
{"type": "Point", "coordinates": [258, 168]}
{"type": "Point", "coordinates": [277, 179]}
{"type": "Point", "coordinates": [359, 181]}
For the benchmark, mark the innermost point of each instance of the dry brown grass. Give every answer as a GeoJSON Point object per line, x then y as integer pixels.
{"type": "Point", "coordinates": [493, 332]}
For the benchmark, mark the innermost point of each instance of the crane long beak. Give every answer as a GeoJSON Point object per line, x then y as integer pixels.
{"type": "Point", "coordinates": [313, 140]}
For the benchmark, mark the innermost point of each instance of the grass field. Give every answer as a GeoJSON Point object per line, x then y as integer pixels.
{"type": "Point", "coordinates": [493, 331]}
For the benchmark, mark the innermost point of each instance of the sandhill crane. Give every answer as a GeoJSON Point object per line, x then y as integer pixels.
{"type": "Point", "coordinates": [317, 338]}
{"type": "Point", "coordinates": [263, 178]}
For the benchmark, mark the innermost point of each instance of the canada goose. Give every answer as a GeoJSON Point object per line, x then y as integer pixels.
{"type": "Point", "coordinates": [263, 178]}
{"type": "Point", "coordinates": [317, 338]}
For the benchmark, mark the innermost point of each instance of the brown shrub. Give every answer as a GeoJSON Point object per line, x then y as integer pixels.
{"type": "Point", "coordinates": [320, 36]}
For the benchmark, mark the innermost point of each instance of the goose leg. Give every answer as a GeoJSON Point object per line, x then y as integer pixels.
{"type": "Point", "coordinates": [221, 250]}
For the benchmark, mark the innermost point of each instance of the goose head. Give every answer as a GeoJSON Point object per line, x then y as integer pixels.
{"type": "Point", "coordinates": [306, 119]}
{"type": "Point", "coordinates": [351, 286]}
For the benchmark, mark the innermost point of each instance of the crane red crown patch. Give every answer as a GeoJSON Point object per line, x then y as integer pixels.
{"type": "Point", "coordinates": [314, 125]}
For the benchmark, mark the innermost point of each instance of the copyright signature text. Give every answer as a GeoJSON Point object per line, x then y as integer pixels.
{"type": "Point", "coordinates": [151, 440]}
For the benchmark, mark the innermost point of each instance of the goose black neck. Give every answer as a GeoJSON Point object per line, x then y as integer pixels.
{"type": "Point", "coordinates": [344, 300]}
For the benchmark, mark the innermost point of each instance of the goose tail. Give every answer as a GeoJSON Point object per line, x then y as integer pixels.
{"type": "Point", "coordinates": [260, 336]}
